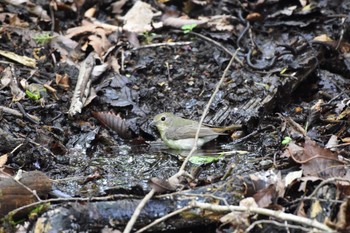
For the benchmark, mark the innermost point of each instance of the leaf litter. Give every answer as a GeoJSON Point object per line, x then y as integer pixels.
{"type": "Point", "coordinates": [112, 67]}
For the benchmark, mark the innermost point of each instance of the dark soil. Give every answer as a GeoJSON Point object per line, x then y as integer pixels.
{"type": "Point", "coordinates": [286, 79]}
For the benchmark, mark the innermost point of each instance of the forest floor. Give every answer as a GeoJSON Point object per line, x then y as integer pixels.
{"type": "Point", "coordinates": [82, 80]}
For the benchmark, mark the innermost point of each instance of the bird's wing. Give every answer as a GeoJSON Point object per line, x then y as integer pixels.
{"type": "Point", "coordinates": [188, 131]}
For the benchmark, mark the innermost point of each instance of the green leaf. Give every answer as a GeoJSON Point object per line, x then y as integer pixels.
{"type": "Point", "coordinates": [286, 140]}
{"type": "Point", "coordinates": [43, 38]}
{"type": "Point", "coordinates": [205, 159]}
{"type": "Point", "coordinates": [33, 95]}
{"type": "Point", "coordinates": [188, 28]}
{"type": "Point", "coordinates": [35, 91]}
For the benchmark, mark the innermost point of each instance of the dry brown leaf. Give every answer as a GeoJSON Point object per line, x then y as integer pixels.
{"type": "Point", "coordinates": [261, 180]}
{"type": "Point", "coordinates": [62, 81]}
{"type": "Point", "coordinates": [266, 196]}
{"type": "Point", "coordinates": [293, 150]}
{"type": "Point", "coordinates": [114, 63]}
{"type": "Point", "coordinates": [138, 19]}
{"type": "Point", "coordinates": [315, 209]}
{"type": "Point", "coordinates": [114, 122]}
{"type": "Point", "coordinates": [254, 16]}
{"type": "Point", "coordinates": [14, 20]}
{"type": "Point", "coordinates": [304, 181]}
{"type": "Point", "coordinates": [14, 195]}
{"type": "Point", "coordinates": [17, 93]}
{"type": "Point", "coordinates": [64, 45]}
{"type": "Point", "coordinates": [97, 35]}
{"type": "Point", "coordinates": [291, 176]}
{"type": "Point", "coordinates": [323, 38]}
{"type": "Point", "coordinates": [160, 185]}
{"type": "Point", "coordinates": [3, 160]}
{"type": "Point", "coordinates": [90, 12]}
{"type": "Point", "coordinates": [237, 219]}
{"type": "Point", "coordinates": [344, 47]}
{"type": "Point", "coordinates": [117, 6]}
{"type": "Point", "coordinates": [99, 41]}
{"type": "Point", "coordinates": [6, 77]}
{"type": "Point", "coordinates": [179, 22]}
{"type": "Point", "coordinates": [343, 221]}
{"type": "Point", "coordinates": [317, 161]}
{"type": "Point", "coordinates": [218, 23]}
{"type": "Point", "coordinates": [90, 27]}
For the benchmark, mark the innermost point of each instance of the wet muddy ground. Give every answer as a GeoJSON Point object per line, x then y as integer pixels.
{"type": "Point", "coordinates": [288, 87]}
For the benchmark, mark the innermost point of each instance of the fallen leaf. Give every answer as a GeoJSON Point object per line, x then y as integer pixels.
{"type": "Point", "coordinates": [138, 19]}
{"type": "Point", "coordinates": [266, 196]}
{"type": "Point", "coordinates": [317, 161]}
{"type": "Point", "coordinates": [6, 78]}
{"type": "Point", "coordinates": [291, 176]}
{"type": "Point", "coordinates": [24, 60]}
{"type": "Point", "coordinates": [114, 122]}
{"type": "Point", "coordinates": [3, 160]}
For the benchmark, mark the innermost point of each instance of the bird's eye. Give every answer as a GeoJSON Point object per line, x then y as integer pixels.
{"type": "Point", "coordinates": [162, 119]}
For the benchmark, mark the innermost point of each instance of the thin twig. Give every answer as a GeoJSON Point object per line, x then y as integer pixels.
{"type": "Point", "coordinates": [219, 45]}
{"type": "Point", "coordinates": [324, 182]}
{"type": "Point", "coordinates": [194, 148]}
{"type": "Point", "coordinates": [14, 112]}
{"type": "Point", "coordinates": [11, 111]}
{"type": "Point", "coordinates": [267, 212]}
{"type": "Point", "coordinates": [181, 171]}
{"type": "Point", "coordinates": [52, 16]}
{"type": "Point", "coordinates": [137, 211]}
{"type": "Point", "coordinates": [180, 43]}
{"type": "Point", "coordinates": [286, 225]}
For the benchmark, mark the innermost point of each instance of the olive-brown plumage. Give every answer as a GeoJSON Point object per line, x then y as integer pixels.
{"type": "Point", "coordinates": [179, 133]}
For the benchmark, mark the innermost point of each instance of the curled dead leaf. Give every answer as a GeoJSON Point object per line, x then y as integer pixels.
{"type": "Point", "coordinates": [114, 122]}
{"type": "Point", "coordinates": [62, 81]}
{"type": "Point", "coordinates": [160, 185]}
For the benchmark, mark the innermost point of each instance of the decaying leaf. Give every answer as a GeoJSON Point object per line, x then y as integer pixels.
{"type": "Point", "coordinates": [160, 185]}
{"type": "Point", "coordinates": [261, 180]}
{"type": "Point", "coordinates": [342, 220]}
{"type": "Point", "coordinates": [99, 41]}
{"type": "Point", "coordinates": [64, 45]}
{"type": "Point", "coordinates": [17, 93]}
{"type": "Point", "coordinates": [6, 78]}
{"type": "Point", "coordinates": [219, 23]}
{"type": "Point", "coordinates": [3, 160]}
{"type": "Point", "coordinates": [138, 19]}
{"type": "Point", "coordinates": [114, 122]}
{"type": "Point", "coordinates": [240, 220]}
{"type": "Point", "coordinates": [24, 60]}
{"type": "Point", "coordinates": [83, 90]}
{"type": "Point", "coordinates": [323, 38]}
{"type": "Point", "coordinates": [291, 176]}
{"type": "Point", "coordinates": [14, 195]}
{"type": "Point", "coordinates": [266, 196]}
{"type": "Point", "coordinates": [315, 209]}
{"type": "Point", "coordinates": [62, 81]}
{"type": "Point", "coordinates": [177, 22]}
{"type": "Point", "coordinates": [317, 161]}
{"type": "Point", "coordinates": [117, 6]}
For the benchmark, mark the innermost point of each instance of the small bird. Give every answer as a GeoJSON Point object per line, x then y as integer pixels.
{"type": "Point", "coordinates": [179, 133]}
